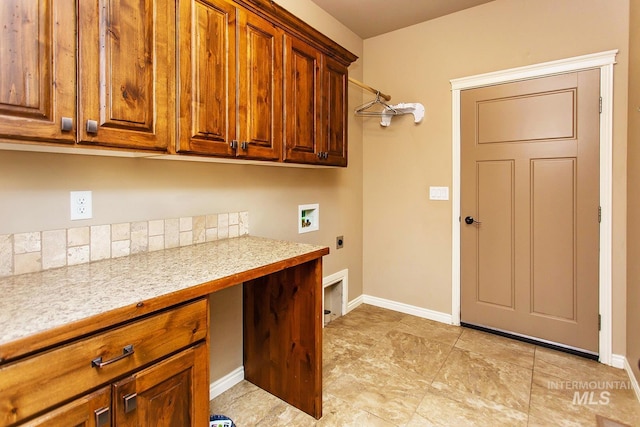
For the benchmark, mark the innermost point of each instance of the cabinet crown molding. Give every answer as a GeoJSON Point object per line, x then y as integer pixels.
{"type": "Point", "coordinates": [275, 13]}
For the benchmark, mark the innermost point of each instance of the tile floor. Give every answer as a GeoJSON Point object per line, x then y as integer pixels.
{"type": "Point", "coordinates": [384, 368]}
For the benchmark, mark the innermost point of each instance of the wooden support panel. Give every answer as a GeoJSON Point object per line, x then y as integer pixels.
{"type": "Point", "coordinates": [283, 335]}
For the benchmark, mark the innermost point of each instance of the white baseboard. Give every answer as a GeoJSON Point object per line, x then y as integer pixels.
{"type": "Point", "coordinates": [618, 361]}
{"type": "Point", "coordinates": [355, 303]}
{"type": "Point", "coordinates": [218, 387]}
{"type": "Point", "coordinates": [425, 313]}
{"type": "Point", "coordinates": [632, 378]}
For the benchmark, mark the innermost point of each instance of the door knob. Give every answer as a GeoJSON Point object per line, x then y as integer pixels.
{"type": "Point", "coordinates": [469, 220]}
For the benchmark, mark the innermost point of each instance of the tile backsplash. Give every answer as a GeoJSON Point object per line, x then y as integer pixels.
{"type": "Point", "coordinates": [42, 250]}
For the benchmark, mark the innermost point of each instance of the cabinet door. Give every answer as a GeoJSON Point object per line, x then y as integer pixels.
{"type": "Point", "coordinates": [303, 113]}
{"type": "Point", "coordinates": [260, 88]}
{"type": "Point", "coordinates": [171, 393]}
{"type": "Point", "coordinates": [37, 69]}
{"type": "Point", "coordinates": [335, 113]}
{"type": "Point", "coordinates": [93, 410]}
{"type": "Point", "coordinates": [126, 62]}
{"type": "Point", "coordinates": [207, 78]}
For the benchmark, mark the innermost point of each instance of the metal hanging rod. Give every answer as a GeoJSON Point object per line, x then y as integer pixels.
{"type": "Point", "coordinates": [370, 89]}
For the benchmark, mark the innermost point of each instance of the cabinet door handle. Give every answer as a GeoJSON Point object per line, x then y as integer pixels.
{"type": "Point", "coordinates": [98, 363]}
{"type": "Point", "coordinates": [130, 402]}
{"type": "Point", "coordinates": [234, 145]}
{"type": "Point", "coordinates": [320, 155]}
{"type": "Point", "coordinates": [67, 124]}
{"type": "Point", "coordinates": [244, 145]}
{"type": "Point", "coordinates": [92, 126]}
{"type": "Point", "coordinates": [103, 416]}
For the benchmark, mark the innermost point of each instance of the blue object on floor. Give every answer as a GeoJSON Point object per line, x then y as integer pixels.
{"type": "Point", "coordinates": [220, 421]}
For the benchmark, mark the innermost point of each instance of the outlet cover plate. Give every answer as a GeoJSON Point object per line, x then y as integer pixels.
{"type": "Point", "coordinates": [81, 205]}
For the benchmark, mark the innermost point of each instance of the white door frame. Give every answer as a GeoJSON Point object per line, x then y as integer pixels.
{"type": "Point", "coordinates": [604, 61]}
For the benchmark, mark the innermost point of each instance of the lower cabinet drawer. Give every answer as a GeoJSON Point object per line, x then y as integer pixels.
{"type": "Point", "coordinates": [32, 385]}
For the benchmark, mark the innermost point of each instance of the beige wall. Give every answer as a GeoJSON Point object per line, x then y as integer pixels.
{"type": "Point", "coordinates": [407, 237]}
{"type": "Point", "coordinates": [34, 195]}
{"type": "Point", "coordinates": [633, 184]}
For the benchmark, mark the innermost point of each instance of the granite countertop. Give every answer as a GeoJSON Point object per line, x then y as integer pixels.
{"type": "Point", "coordinates": [37, 302]}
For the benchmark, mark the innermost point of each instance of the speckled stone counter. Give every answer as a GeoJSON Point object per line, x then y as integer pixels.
{"type": "Point", "coordinates": [35, 303]}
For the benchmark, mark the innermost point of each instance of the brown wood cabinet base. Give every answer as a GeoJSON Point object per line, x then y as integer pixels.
{"type": "Point", "coordinates": [283, 335]}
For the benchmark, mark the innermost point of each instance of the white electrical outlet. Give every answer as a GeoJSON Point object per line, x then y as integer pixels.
{"type": "Point", "coordinates": [81, 205]}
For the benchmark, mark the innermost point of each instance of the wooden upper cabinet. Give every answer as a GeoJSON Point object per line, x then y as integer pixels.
{"type": "Point", "coordinates": [37, 70]}
{"type": "Point", "coordinates": [316, 106]}
{"type": "Point", "coordinates": [207, 78]}
{"type": "Point", "coordinates": [204, 77]}
{"type": "Point", "coordinates": [260, 88]}
{"type": "Point", "coordinates": [230, 81]}
{"type": "Point", "coordinates": [126, 66]}
{"type": "Point", "coordinates": [335, 118]}
{"type": "Point", "coordinates": [303, 108]}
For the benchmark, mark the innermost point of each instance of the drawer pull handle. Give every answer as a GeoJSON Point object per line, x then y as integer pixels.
{"type": "Point", "coordinates": [98, 363]}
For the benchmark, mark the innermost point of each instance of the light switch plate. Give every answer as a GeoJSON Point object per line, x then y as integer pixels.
{"type": "Point", "coordinates": [438, 193]}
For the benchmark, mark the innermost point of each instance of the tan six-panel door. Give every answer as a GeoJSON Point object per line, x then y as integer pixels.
{"type": "Point", "coordinates": [529, 208]}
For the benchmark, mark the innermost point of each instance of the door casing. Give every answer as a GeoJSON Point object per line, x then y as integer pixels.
{"type": "Point", "coordinates": [604, 61]}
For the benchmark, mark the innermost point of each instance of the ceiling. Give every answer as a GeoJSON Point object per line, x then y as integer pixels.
{"type": "Point", "coordinates": [369, 18]}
